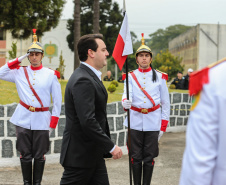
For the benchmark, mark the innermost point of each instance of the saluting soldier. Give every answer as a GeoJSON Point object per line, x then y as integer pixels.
{"type": "Point", "coordinates": [34, 123]}
{"type": "Point", "coordinates": [204, 157]}
{"type": "Point", "coordinates": [149, 113]}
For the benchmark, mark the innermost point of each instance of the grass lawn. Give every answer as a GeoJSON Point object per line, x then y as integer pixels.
{"type": "Point", "coordinates": [178, 91]}
{"type": "Point", "coordinates": [8, 92]}
{"type": "Point", "coordinates": [117, 95]}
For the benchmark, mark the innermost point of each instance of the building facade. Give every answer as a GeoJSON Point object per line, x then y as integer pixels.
{"type": "Point", "coordinates": [200, 46]}
{"type": "Point", "coordinates": [55, 44]}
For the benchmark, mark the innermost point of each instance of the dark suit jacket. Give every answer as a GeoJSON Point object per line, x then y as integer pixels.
{"type": "Point", "coordinates": [86, 136]}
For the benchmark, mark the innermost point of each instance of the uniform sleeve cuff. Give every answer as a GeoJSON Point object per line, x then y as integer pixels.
{"type": "Point", "coordinates": [164, 125]}
{"type": "Point", "coordinates": [123, 101]}
{"type": "Point", "coordinates": [54, 121]}
{"type": "Point", "coordinates": [14, 64]}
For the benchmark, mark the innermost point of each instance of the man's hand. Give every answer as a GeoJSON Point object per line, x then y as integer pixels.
{"type": "Point", "coordinates": [160, 134]}
{"type": "Point", "coordinates": [50, 130]}
{"type": "Point", "coordinates": [127, 104]}
{"type": "Point", "coordinates": [23, 57]}
{"type": "Point", "coordinates": [117, 153]}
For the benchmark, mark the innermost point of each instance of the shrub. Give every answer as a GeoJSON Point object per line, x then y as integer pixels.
{"type": "Point", "coordinates": [111, 88]}
{"type": "Point", "coordinates": [115, 83]}
{"type": "Point", "coordinates": [172, 86]}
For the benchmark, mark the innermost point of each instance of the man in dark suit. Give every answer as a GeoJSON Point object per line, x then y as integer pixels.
{"type": "Point", "coordinates": [86, 138]}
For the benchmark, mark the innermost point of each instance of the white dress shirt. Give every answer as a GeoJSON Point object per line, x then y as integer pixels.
{"type": "Point", "coordinates": [97, 72]}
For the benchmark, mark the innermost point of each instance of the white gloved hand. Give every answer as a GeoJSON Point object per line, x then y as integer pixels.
{"type": "Point", "coordinates": [23, 57]}
{"type": "Point", "coordinates": [160, 134]}
{"type": "Point", "coordinates": [50, 130]}
{"type": "Point", "coordinates": [127, 104]}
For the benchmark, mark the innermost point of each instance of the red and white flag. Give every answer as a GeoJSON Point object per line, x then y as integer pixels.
{"type": "Point", "coordinates": [123, 45]}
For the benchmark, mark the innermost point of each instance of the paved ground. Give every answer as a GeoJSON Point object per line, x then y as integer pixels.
{"type": "Point", "coordinates": [166, 171]}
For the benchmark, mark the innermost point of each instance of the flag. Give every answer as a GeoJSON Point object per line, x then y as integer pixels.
{"type": "Point", "coordinates": [123, 45]}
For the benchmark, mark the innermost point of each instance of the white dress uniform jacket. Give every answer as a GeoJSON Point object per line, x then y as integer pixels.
{"type": "Point", "coordinates": [204, 157]}
{"type": "Point", "coordinates": [159, 93]}
{"type": "Point", "coordinates": [44, 83]}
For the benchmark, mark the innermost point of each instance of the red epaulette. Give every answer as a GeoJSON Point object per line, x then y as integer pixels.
{"type": "Point", "coordinates": [200, 78]}
{"type": "Point", "coordinates": [124, 75]}
{"type": "Point", "coordinates": [57, 73]}
{"type": "Point", "coordinates": [197, 80]}
{"type": "Point", "coordinates": [164, 75]}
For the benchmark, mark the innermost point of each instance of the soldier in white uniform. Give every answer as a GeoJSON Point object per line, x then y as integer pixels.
{"type": "Point", "coordinates": [34, 123]}
{"type": "Point", "coordinates": [204, 157]}
{"type": "Point", "coordinates": [149, 113]}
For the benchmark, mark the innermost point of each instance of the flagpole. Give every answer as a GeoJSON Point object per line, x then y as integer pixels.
{"type": "Point", "coordinates": [128, 119]}
{"type": "Point", "coordinates": [128, 112]}
{"type": "Point", "coordinates": [120, 55]}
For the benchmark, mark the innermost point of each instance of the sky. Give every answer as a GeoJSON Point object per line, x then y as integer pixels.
{"type": "Point", "coordinates": [147, 16]}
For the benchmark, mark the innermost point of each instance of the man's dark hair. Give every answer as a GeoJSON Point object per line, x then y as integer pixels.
{"type": "Point", "coordinates": [85, 43]}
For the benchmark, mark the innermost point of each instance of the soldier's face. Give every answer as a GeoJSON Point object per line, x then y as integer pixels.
{"type": "Point", "coordinates": [144, 60]}
{"type": "Point", "coordinates": [35, 59]}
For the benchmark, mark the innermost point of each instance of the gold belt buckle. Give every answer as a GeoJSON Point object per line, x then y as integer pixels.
{"type": "Point", "coordinates": [32, 109]}
{"type": "Point", "coordinates": [144, 111]}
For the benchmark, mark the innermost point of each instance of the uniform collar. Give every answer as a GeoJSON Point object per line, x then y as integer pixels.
{"type": "Point", "coordinates": [144, 70]}
{"type": "Point", "coordinates": [36, 68]}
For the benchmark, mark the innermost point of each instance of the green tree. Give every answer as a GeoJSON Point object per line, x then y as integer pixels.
{"type": "Point", "coordinates": [76, 33]}
{"type": "Point", "coordinates": [110, 21]}
{"type": "Point", "coordinates": [61, 67]}
{"type": "Point", "coordinates": [133, 36]}
{"type": "Point", "coordinates": [21, 16]}
{"type": "Point", "coordinates": [166, 62]}
{"type": "Point", "coordinates": [96, 16]}
{"type": "Point", "coordinates": [12, 53]}
{"type": "Point", "coordinates": [160, 39]}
